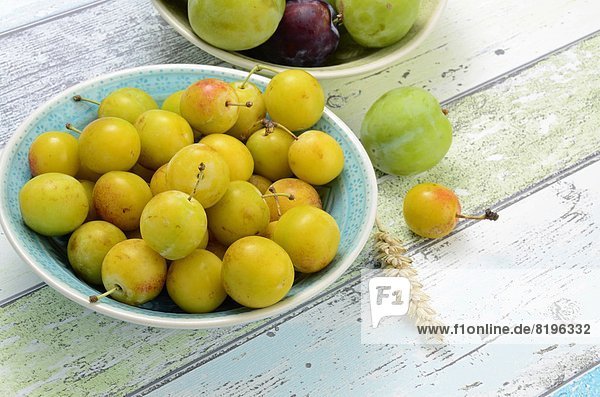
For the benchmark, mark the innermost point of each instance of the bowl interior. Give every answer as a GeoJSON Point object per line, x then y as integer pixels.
{"type": "Point", "coordinates": [351, 199]}
{"type": "Point", "coordinates": [349, 59]}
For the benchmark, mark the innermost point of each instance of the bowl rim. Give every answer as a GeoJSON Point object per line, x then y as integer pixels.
{"type": "Point", "coordinates": [352, 68]}
{"type": "Point", "coordinates": [285, 305]}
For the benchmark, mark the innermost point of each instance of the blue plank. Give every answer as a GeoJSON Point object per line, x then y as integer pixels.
{"type": "Point", "coordinates": [320, 351]}
{"type": "Point", "coordinates": [585, 385]}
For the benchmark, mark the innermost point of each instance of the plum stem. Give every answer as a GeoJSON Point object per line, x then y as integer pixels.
{"type": "Point", "coordinates": [79, 98]}
{"type": "Point", "coordinates": [269, 126]}
{"type": "Point", "coordinates": [276, 198]}
{"type": "Point", "coordinates": [96, 298]}
{"type": "Point", "coordinates": [199, 177]}
{"type": "Point", "coordinates": [283, 127]}
{"type": "Point", "coordinates": [248, 104]}
{"type": "Point", "coordinates": [488, 215]}
{"type": "Point", "coordinates": [275, 195]}
{"type": "Point", "coordinates": [263, 67]}
{"type": "Point", "coordinates": [70, 127]}
{"type": "Point", "coordinates": [255, 69]}
{"type": "Point", "coordinates": [445, 111]}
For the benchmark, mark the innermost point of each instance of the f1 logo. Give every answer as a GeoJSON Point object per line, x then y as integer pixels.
{"type": "Point", "coordinates": [389, 296]}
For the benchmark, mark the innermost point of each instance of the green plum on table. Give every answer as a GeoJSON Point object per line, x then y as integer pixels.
{"type": "Point", "coordinates": [406, 132]}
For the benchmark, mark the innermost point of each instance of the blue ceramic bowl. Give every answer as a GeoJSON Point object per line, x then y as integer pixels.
{"type": "Point", "coordinates": [351, 199]}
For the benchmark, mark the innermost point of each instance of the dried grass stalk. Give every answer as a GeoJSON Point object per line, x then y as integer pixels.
{"type": "Point", "coordinates": [396, 263]}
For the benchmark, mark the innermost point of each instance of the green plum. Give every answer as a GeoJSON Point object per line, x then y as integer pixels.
{"type": "Point", "coordinates": [257, 272]}
{"type": "Point", "coordinates": [378, 23]}
{"type": "Point", "coordinates": [240, 212]}
{"type": "Point", "coordinates": [309, 235]}
{"type": "Point", "coordinates": [158, 182]}
{"type": "Point", "coordinates": [406, 132]}
{"type": "Point", "coordinates": [234, 152]}
{"type": "Point", "coordinates": [88, 246]}
{"type": "Point", "coordinates": [162, 134]}
{"type": "Point", "coordinates": [249, 118]}
{"type": "Point", "coordinates": [132, 273]}
{"type": "Point", "coordinates": [269, 148]}
{"type": "Point", "coordinates": [172, 102]}
{"type": "Point", "coordinates": [173, 224]}
{"type": "Point", "coordinates": [88, 186]}
{"type": "Point", "coordinates": [54, 151]}
{"type": "Point", "coordinates": [126, 103]}
{"type": "Point", "coordinates": [235, 25]}
{"type": "Point", "coordinates": [260, 182]}
{"type": "Point", "coordinates": [194, 282]}
{"type": "Point", "coordinates": [108, 144]}
{"type": "Point", "coordinates": [316, 157]}
{"type": "Point", "coordinates": [53, 204]}
{"type": "Point", "coordinates": [201, 171]}
{"type": "Point", "coordinates": [295, 99]}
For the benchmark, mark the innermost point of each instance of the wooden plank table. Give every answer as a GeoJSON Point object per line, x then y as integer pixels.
{"type": "Point", "coordinates": [521, 82]}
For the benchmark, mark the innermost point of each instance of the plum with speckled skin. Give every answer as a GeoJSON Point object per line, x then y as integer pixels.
{"type": "Point", "coordinates": [134, 272]}
{"type": "Point", "coordinates": [87, 247]}
{"type": "Point", "coordinates": [120, 197]}
{"type": "Point", "coordinates": [206, 106]}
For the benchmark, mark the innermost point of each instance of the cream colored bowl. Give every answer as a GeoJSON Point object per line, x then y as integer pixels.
{"type": "Point", "coordinates": [350, 59]}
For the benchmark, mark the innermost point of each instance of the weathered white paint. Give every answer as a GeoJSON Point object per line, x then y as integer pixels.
{"type": "Point", "coordinates": [20, 14]}
{"type": "Point", "coordinates": [475, 41]}
{"type": "Point", "coordinates": [536, 233]}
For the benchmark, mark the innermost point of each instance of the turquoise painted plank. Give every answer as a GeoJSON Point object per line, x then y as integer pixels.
{"type": "Point", "coordinates": [320, 352]}
{"type": "Point", "coordinates": [59, 347]}
{"type": "Point", "coordinates": [471, 116]}
{"type": "Point", "coordinates": [584, 385]}
{"type": "Point", "coordinates": [38, 337]}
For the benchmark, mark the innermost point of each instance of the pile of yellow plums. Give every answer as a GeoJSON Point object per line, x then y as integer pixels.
{"type": "Point", "coordinates": [213, 194]}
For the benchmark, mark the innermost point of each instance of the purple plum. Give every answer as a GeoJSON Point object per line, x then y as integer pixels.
{"type": "Point", "coordinates": [306, 35]}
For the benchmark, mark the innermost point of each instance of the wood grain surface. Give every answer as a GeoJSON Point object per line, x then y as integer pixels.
{"type": "Point", "coordinates": [520, 81]}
